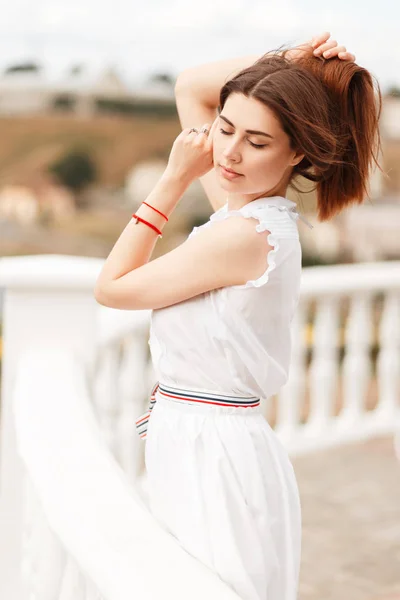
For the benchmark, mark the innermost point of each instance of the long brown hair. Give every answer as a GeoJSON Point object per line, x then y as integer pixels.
{"type": "Point", "coordinates": [330, 110]}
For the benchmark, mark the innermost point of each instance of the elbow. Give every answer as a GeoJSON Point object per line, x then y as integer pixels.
{"type": "Point", "coordinates": [101, 296]}
{"type": "Point", "coordinates": [182, 82]}
{"type": "Point", "coordinates": [111, 297]}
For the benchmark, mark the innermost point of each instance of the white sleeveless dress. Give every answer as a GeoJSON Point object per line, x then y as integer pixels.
{"type": "Point", "coordinates": [219, 479]}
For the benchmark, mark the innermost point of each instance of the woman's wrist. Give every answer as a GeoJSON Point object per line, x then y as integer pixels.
{"type": "Point", "coordinates": [165, 196]}
{"type": "Point", "coordinates": [204, 82]}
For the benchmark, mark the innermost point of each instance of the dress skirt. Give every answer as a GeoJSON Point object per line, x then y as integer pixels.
{"type": "Point", "coordinates": [221, 482]}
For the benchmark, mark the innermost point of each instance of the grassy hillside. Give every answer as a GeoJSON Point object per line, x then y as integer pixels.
{"type": "Point", "coordinates": [116, 143]}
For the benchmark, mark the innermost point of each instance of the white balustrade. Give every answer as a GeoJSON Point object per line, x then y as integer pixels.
{"type": "Point", "coordinates": [122, 380]}
{"type": "Point", "coordinates": [338, 389]}
{"type": "Point", "coordinates": [73, 524]}
{"type": "Point", "coordinates": [292, 395]}
{"type": "Point", "coordinates": [324, 365]}
{"type": "Point", "coordinates": [388, 363]}
{"type": "Point", "coordinates": [357, 366]}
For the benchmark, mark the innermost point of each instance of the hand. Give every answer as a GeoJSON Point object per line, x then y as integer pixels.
{"type": "Point", "coordinates": [330, 48]}
{"type": "Point", "coordinates": [192, 154]}
{"type": "Point", "coordinates": [323, 47]}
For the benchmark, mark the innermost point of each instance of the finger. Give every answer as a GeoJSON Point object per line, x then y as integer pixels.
{"type": "Point", "coordinates": [324, 47]}
{"type": "Point", "coordinates": [347, 56]}
{"type": "Point", "coordinates": [201, 137]}
{"type": "Point", "coordinates": [320, 39]}
{"type": "Point", "coordinates": [334, 51]}
{"type": "Point", "coordinates": [183, 134]}
{"type": "Point", "coordinates": [203, 133]}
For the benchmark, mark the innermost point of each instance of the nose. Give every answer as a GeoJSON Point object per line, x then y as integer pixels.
{"type": "Point", "coordinates": [231, 152]}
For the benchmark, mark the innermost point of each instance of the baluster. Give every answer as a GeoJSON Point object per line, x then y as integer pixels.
{"type": "Point", "coordinates": [291, 395]}
{"type": "Point", "coordinates": [323, 368]}
{"type": "Point", "coordinates": [388, 361]}
{"type": "Point", "coordinates": [105, 392]}
{"type": "Point", "coordinates": [357, 368]}
{"type": "Point", "coordinates": [133, 390]}
{"type": "Point", "coordinates": [27, 554]}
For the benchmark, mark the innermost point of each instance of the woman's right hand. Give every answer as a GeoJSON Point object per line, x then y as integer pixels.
{"type": "Point", "coordinates": [322, 46]}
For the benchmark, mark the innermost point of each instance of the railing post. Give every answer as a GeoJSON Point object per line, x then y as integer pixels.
{"type": "Point", "coordinates": [48, 301]}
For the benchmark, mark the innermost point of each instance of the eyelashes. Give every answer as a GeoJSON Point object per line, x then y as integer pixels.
{"type": "Point", "coordinates": [255, 145]}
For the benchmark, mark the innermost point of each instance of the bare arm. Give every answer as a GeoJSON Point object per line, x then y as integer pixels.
{"type": "Point", "coordinates": [197, 98]}
{"type": "Point", "coordinates": [205, 81]}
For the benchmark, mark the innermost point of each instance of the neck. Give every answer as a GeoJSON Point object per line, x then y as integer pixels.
{"type": "Point", "coordinates": [236, 202]}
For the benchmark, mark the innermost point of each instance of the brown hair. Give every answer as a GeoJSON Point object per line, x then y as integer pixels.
{"type": "Point", "coordinates": [330, 111]}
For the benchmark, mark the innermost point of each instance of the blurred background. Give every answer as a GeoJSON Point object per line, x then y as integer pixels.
{"type": "Point", "coordinates": [87, 121]}
{"type": "Point", "coordinates": [88, 118]}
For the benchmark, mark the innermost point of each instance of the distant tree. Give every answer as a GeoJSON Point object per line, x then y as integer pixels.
{"type": "Point", "coordinates": [394, 91]}
{"type": "Point", "coordinates": [64, 102]}
{"type": "Point", "coordinates": [27, 67]}
{"type": "Point", "coordinates": [75, 169]}
{"type": "Point", "coordinates": [163, 77]}
{"type": "Point", "coordinates": [76, 69]}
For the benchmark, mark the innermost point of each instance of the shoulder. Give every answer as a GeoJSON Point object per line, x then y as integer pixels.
{"type": "Point", "coordinates": [239, 234]}
{"type": "Point", "coordinates": [234, 248]}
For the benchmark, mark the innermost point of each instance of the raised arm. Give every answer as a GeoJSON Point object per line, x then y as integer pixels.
{"type": "Point", "coordinates": [197, 98]}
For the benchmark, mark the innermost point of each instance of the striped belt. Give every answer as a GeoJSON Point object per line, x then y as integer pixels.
{"type": "Point", "coordinates": [181, 395]}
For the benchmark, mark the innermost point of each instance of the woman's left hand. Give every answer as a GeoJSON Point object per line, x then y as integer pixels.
{"type": "Point", "coordinates": [192, 153]}
{"type": "Point", "coordinates": [327, 48]}
{"type": "Point", "coordinates": [323, 47]}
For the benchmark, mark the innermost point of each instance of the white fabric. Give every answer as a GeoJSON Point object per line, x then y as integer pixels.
{"type": "Point", "coordinates": [218, 477]}
{"type": "Point", "coordinates": [236, 339]}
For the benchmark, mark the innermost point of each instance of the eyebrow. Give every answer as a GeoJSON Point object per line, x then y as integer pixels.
{"type": "Point", "coordinates": [247, 130]}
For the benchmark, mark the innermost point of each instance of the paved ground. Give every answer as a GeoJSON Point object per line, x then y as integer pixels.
{"type": "Point", "coordinates": [351, 522]}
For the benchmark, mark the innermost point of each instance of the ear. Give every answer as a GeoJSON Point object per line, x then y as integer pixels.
{"type": "Point", "coordinates": [297, 157]}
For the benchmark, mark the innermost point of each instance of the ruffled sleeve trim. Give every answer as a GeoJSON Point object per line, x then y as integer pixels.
{"type": "Point", "coordinates": [278, 219]}
{"type": "Point", "coordinates": [271, 256]}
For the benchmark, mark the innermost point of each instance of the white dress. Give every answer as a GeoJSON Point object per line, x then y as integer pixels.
{"type": "Point", "coordinates": [219, 479]}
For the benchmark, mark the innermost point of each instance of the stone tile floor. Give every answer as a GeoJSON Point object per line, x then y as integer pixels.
{"type": "Point", "coordinates": [350, 499]}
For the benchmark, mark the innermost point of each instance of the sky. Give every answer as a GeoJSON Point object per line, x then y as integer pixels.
{"type": "Point", "coordinates": [142, 38]}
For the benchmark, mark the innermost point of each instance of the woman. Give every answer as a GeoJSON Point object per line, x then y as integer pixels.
{"type": "Point", "coordinates": [219, 480]}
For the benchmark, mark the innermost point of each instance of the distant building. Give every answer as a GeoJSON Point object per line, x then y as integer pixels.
{"type": "Point", "coordinates": [26, 205]}
{"type": "Point", "coordinates": [23, 92]}
{"type": "Point", "coordinates": [143, 177]}
{"type": "Point", "coordinates": [371, 232]}
{"type": "Point", "coordinates": [390, 119]}
{"type": "Point", "coordinates": [18, 203]}
{"type": "Point", "coordinates": [78, 91]}
{"type": "Point", "coordinates": [155, 88]}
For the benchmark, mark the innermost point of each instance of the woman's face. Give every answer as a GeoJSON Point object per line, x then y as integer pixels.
{"type": "Point", "coordinates": [264, 170]}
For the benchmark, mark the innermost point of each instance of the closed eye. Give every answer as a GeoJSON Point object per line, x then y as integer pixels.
{"type": "Point", "coordinates": [255, 145]}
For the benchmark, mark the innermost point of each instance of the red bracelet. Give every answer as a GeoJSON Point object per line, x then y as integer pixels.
{"type": "Point", "coordinates": [147, 223]}
{"type": "Point", "coordinates": [159, 212]}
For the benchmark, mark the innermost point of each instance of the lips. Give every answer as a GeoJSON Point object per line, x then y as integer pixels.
{"type": "Point", "coordinates": [230, 170]}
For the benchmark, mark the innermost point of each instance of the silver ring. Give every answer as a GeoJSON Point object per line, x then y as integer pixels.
{"type": "Point", "coordinates": [193, 129]}
{"type": "Point", "coordinates": [204, 130]}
